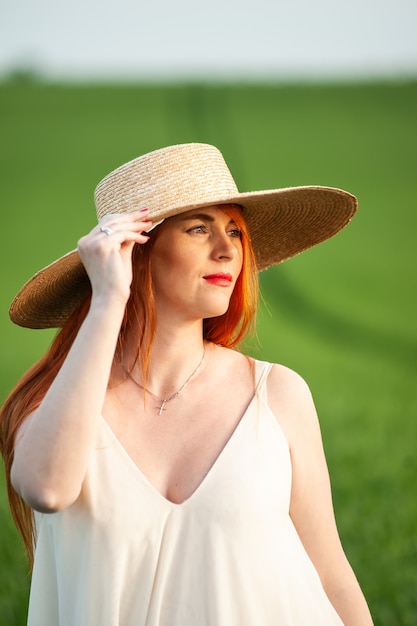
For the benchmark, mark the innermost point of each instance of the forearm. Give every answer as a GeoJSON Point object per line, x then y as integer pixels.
{"type": "Point", "coordinates": [349, 602]}
{"type": "Point", "coordinates": [52, 454]}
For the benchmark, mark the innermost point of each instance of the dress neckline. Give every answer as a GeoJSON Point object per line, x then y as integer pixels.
{"type": "Point", "coordinates": [261, 374]}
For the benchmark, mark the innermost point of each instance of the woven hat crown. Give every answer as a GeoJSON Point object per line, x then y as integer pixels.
{"type": "Point", "coordinates": [178, 176]}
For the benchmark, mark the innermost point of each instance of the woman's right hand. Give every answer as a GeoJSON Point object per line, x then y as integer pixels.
{"type": "Point", "coordinates": [106, 252]}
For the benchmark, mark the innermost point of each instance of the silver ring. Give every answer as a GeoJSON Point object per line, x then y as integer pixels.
{"type": "Point", "coordinates": [107, 230]}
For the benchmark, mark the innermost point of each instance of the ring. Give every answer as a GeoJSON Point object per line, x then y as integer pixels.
{"type": "Point", "coordinates": [107, 230]}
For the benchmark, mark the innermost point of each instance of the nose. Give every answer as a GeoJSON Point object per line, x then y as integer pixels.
{"type": "Point", "coordinates": [225, 248]}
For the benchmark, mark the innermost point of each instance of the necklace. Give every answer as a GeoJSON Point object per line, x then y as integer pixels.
{"type": "Point", "coordinates": [164, 401]}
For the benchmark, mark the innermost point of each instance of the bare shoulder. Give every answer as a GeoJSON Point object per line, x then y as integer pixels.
{"type": "Point", "coordinates": [228, 382]}
{"type": "Point", "coordinates": [233, 366]}
{"type": "Point", "coordinates": [286, 384]}
{"type": "Point", "coordinates": [291, 401]}
{"type": "Point", "coordinates": [230, 359]}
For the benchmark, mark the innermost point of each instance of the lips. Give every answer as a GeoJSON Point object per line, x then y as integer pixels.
{"type": "Point", "coordinates": [221, 279]}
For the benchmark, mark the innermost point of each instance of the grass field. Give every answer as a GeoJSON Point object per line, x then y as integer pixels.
{"type": "Point", "coordinates": [342, 314]}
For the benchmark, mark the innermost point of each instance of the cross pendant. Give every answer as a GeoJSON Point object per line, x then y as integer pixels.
{"type": "Point", "coordinates": [161, 408]}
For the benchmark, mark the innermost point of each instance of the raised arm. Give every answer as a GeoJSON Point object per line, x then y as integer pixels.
{"type": "Point", "coordinates": [54, 443]}
{"type": "Point", "coordinates": [311, 506]}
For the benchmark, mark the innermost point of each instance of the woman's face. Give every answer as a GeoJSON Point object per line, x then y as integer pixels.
{"type": "Point", "coordinates": [195, 263]}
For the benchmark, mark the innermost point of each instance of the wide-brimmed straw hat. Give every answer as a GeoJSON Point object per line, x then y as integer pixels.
{"type": "Point", "coordinates": [281, 222]}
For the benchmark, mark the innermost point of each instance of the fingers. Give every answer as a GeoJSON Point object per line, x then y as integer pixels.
{"type": "Point", "coordinates": [116, 232]}
{"type": "Point", "coordinates": [106, 252]}
{"type": "Point", "coordinates": [128, 227]}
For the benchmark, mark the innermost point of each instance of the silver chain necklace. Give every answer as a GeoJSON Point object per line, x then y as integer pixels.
{"type": "Point", "coordinates": [164, 401]}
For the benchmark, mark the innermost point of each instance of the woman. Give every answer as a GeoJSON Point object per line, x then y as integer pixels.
{"type": "Point", "coordinates": [174, 481]}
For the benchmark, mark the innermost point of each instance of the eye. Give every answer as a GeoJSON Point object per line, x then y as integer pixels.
{"type": "Point", "coordinates": [235, 232]}
{"type": "Point", "coordinates": [201, 228]}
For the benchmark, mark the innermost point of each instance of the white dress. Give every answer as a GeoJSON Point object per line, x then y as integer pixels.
{"type": "Point", "coordinates": [123, 555]}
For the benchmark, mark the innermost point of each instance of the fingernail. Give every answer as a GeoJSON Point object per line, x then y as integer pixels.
{"type": "Point", "coordinates": [144, 210]}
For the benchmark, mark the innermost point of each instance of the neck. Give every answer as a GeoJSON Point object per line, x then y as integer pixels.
{"type": "Point", "coordinates": [174, 356]}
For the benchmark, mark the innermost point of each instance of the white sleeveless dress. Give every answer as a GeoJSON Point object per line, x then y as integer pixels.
{"type": "Point", "coordinates": [123, 555]}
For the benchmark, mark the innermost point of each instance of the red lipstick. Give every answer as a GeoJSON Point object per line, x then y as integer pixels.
{"type": "Point", "coordinates": [220, 279]}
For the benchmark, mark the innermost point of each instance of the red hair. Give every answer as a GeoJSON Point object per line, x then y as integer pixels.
{"type": "Point", "coordinates": [229, 329]}
{"type": "Point", "coordinates": [140, 316]}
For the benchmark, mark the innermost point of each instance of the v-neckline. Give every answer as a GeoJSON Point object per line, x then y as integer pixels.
{"type": "Point", "coordinates": [206, 477]}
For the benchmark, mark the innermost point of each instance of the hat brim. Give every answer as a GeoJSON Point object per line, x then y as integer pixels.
{"type": "Point", "coordinates": [282, 223]}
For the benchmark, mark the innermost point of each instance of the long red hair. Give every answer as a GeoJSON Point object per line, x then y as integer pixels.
{"type": "Point", "coordinates": [226, 330]}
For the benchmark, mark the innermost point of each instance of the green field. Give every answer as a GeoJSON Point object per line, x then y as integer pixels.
{"type": "Point", "coordinates": [343, 314]}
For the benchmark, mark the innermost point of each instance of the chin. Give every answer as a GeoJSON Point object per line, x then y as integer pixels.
{"type": "Point", "coordinates": [214, 308]}
{"type": "Point", "coordinates": [218, 312]}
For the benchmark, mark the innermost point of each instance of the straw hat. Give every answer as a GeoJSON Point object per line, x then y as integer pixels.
{"type": "Point", "coordinates": [281, 222]}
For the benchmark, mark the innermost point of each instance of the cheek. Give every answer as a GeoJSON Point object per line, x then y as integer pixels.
{"type": "Point", "coordinates": [168, 264]}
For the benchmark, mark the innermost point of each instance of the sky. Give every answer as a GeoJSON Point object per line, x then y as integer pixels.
{"type": "Point", "coordinates": [167, 39]}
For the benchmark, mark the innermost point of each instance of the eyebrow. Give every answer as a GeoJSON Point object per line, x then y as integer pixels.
{"type": "Point", "coordinates": [199, 216]}
{"type": "Point", "coordinates": [202, 216]}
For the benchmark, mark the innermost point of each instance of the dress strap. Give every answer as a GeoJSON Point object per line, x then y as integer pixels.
{"type": "Point", "coordinates": [262, 370]}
